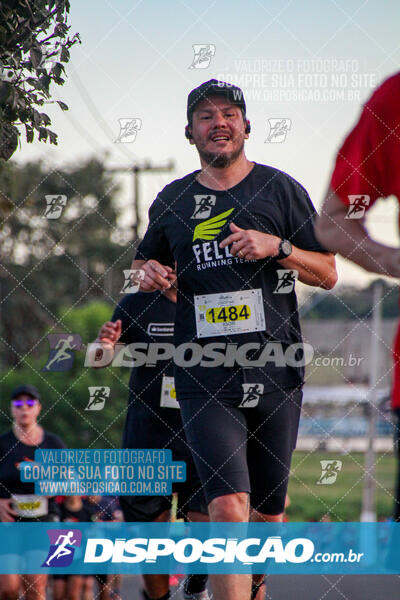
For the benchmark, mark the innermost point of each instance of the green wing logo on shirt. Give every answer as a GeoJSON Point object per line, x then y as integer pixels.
{"type": "Point", "coordinates": [208, 230]}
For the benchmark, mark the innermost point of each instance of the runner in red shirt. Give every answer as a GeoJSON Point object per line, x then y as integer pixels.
{"type": "Point", "coordinates": [367, 168]}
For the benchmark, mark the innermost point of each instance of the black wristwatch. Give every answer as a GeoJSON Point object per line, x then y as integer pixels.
{"type": "Point", "coordinates": [285, 249]}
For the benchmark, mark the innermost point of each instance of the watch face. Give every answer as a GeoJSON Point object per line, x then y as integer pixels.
{"type": "Point", "coordinates": [286, 247]}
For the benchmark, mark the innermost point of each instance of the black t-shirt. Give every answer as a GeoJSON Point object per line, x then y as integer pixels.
{"type": "Point", "coordinates": [149, 318]}
{"type": "Point", "coordinates": [12, 453]}
{"type": "Point", "coordinates": [187, 221]}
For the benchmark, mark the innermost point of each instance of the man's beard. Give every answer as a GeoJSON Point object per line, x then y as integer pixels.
{"type": "Point", "coordinates": [220, 161]}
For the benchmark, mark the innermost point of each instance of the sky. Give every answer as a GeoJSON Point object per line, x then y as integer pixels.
{"type": "Point", "coordinates": [312, 63]}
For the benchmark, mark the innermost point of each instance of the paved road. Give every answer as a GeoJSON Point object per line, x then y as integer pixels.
{"type": "Point", "coordinates": [307, 587]}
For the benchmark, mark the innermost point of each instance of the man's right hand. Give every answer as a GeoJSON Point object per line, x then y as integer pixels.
{"type": "Point", "coordinates": [7, 513]}
{"type": "Point", "coordinates": [110, 333]}
{"type": "Point", "coordinates": [157, 276]}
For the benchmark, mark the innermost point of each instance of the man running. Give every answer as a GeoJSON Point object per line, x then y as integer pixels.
{"type": "Point", "coordinates": [154, 421]}
{"type": "Point", "coordinates": [18, 501]}
{"type": "Point", "coordinates": [367, 168]}
{"type": "Point", "coordinates": [261, 221]}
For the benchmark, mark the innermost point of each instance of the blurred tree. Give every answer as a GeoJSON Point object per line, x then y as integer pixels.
{"type": "Point", "coordinates": [49, 262]}
{"type": "Point", "coordinates": [65, 394]}
{"type": "Point", "coordinates": [34, 44]}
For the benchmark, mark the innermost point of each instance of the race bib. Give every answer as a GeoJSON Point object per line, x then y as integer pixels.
{"type": "Point", "coordinates": [168, 393]}
{"type": "Point", "coordinates": [29, 505]}
{"type": "Point", "coordinates": [229, 313]}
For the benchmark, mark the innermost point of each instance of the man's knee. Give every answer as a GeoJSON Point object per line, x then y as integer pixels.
{"type": "Point", "coordinates": [9, 592]}
{"type": "Point", "coordinates": [39, 593]}
{"type": "Point", "coordinates": [231, 507]}
{"type": "Point", "coordinates": [9, 587]}
{"type": "Point", "coordinates": [36, 588]}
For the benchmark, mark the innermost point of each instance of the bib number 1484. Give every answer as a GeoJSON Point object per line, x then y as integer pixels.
{"type": "Point", "coordinates": [229, 313]}
{"type": "Point", "coordinates": [221, 314]}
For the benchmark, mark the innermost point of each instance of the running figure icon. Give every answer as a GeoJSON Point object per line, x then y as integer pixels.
{"type": "Point", "coordinates": [253, 393]}
{"type": "Point", "coordinates": [287, 280]}
{"type": "Point", "coordinates": [62, 549]}
{"type": "Point", "coordinates": [204, 204]}
{"type": "Point", "coordinates": [63, 345]}
{"type": "Point", "coordinates": [99, 396]}
{"type": "Point", "coordinates": [357, 207]}
{"type": "Point", "coordinates": [55, 206]}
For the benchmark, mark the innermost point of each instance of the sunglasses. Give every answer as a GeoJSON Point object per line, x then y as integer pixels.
{"type": "Point", "coordinates": [27, 401]}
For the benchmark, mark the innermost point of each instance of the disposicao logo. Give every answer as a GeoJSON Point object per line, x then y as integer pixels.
{"type": "Point", "coordinates": [191, 550]}
{"type": "Point", "coordinates": [62, 547]}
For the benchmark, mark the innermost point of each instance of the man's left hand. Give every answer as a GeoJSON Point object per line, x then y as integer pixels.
{"type": "Point", "coordinates": [251, 244]}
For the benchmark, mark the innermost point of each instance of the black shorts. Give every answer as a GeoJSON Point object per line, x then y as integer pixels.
{"type": "Point", "coordinates": [147, 427]}
{"type": "Point", "coordinates": [148, 508]}
{"type": "Point", "coordinates": [240, 449]}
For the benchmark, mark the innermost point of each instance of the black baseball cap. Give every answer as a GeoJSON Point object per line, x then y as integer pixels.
{"type": "Point", "coordinates": [213, 87]}
{"type": "Point", "coordinates": [29, 390]}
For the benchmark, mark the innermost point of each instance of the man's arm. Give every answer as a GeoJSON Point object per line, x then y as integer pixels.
{"type": "Point", "coordinates": [350, 238]}
{"type": "Point", "coordinates": [314, 268]}
{"type": "Point", "coordinates": [108, 336]}
{"type": "Point", "coordinates": [157, 276]}
{"type": "Point", "coordinates": [7, 513]}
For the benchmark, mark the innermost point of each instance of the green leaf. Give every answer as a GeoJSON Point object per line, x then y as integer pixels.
{"type": "Point", "coordinates": [21, 103]}
{"type": "Point", "coordinates": [45, 82]}
{"type": "Point", "coordinates": [34, 82]}
{"type": "Point", "coordinates": [36, 117]}
{"type": "Point", "coordinates": [57, 69]}
{"type": "Point", "coordinates": [36, 56]}
{"type": "Point", "coordinates": [4, 92]}
{"type": "Point", "coordinates": [43, 134]}
{"type": "Point", "coordinates": [8, 141]}
{"type": "Point", "coordinates": [52, 137]}
{"type": "Point", "coordinates": [64, 55]}
{"type": "Point", "coordinates": [45, 119]}
{"type": "Point", "coordinates": [29, 133]}
{"type": "Point", "coordinates": [62, 105]}
{"type": "Point", "coordinates": [3, 35]}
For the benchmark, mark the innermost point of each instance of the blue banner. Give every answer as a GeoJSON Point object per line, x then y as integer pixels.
{"type": "Point", "coordinates": [127, 548]}
{"type": "Point", "coordinates": [79, 472]}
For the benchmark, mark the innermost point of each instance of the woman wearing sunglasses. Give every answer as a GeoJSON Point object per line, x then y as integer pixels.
{"type": "Point", "coordinates": [18, 501]}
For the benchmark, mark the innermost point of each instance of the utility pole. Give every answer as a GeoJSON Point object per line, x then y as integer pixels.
{"type": "Point", "coordinates": [136, 170]}
{"type": "Point", "coordinates": [368, 511]}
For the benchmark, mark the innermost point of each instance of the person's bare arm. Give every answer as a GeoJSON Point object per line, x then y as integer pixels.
{"type": "Point", "coordinates": [350, 238]}
{"type": "Point", "coordinates": [314, 268]}
{"type": "Point", "coordinates": [157, 276]}
{"type": "Point", "coordinates": [108, 336]}
{"type": "Point", "coordinates": [7, 513]}
{"type": "Point", "coordinates": [110, 332]}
